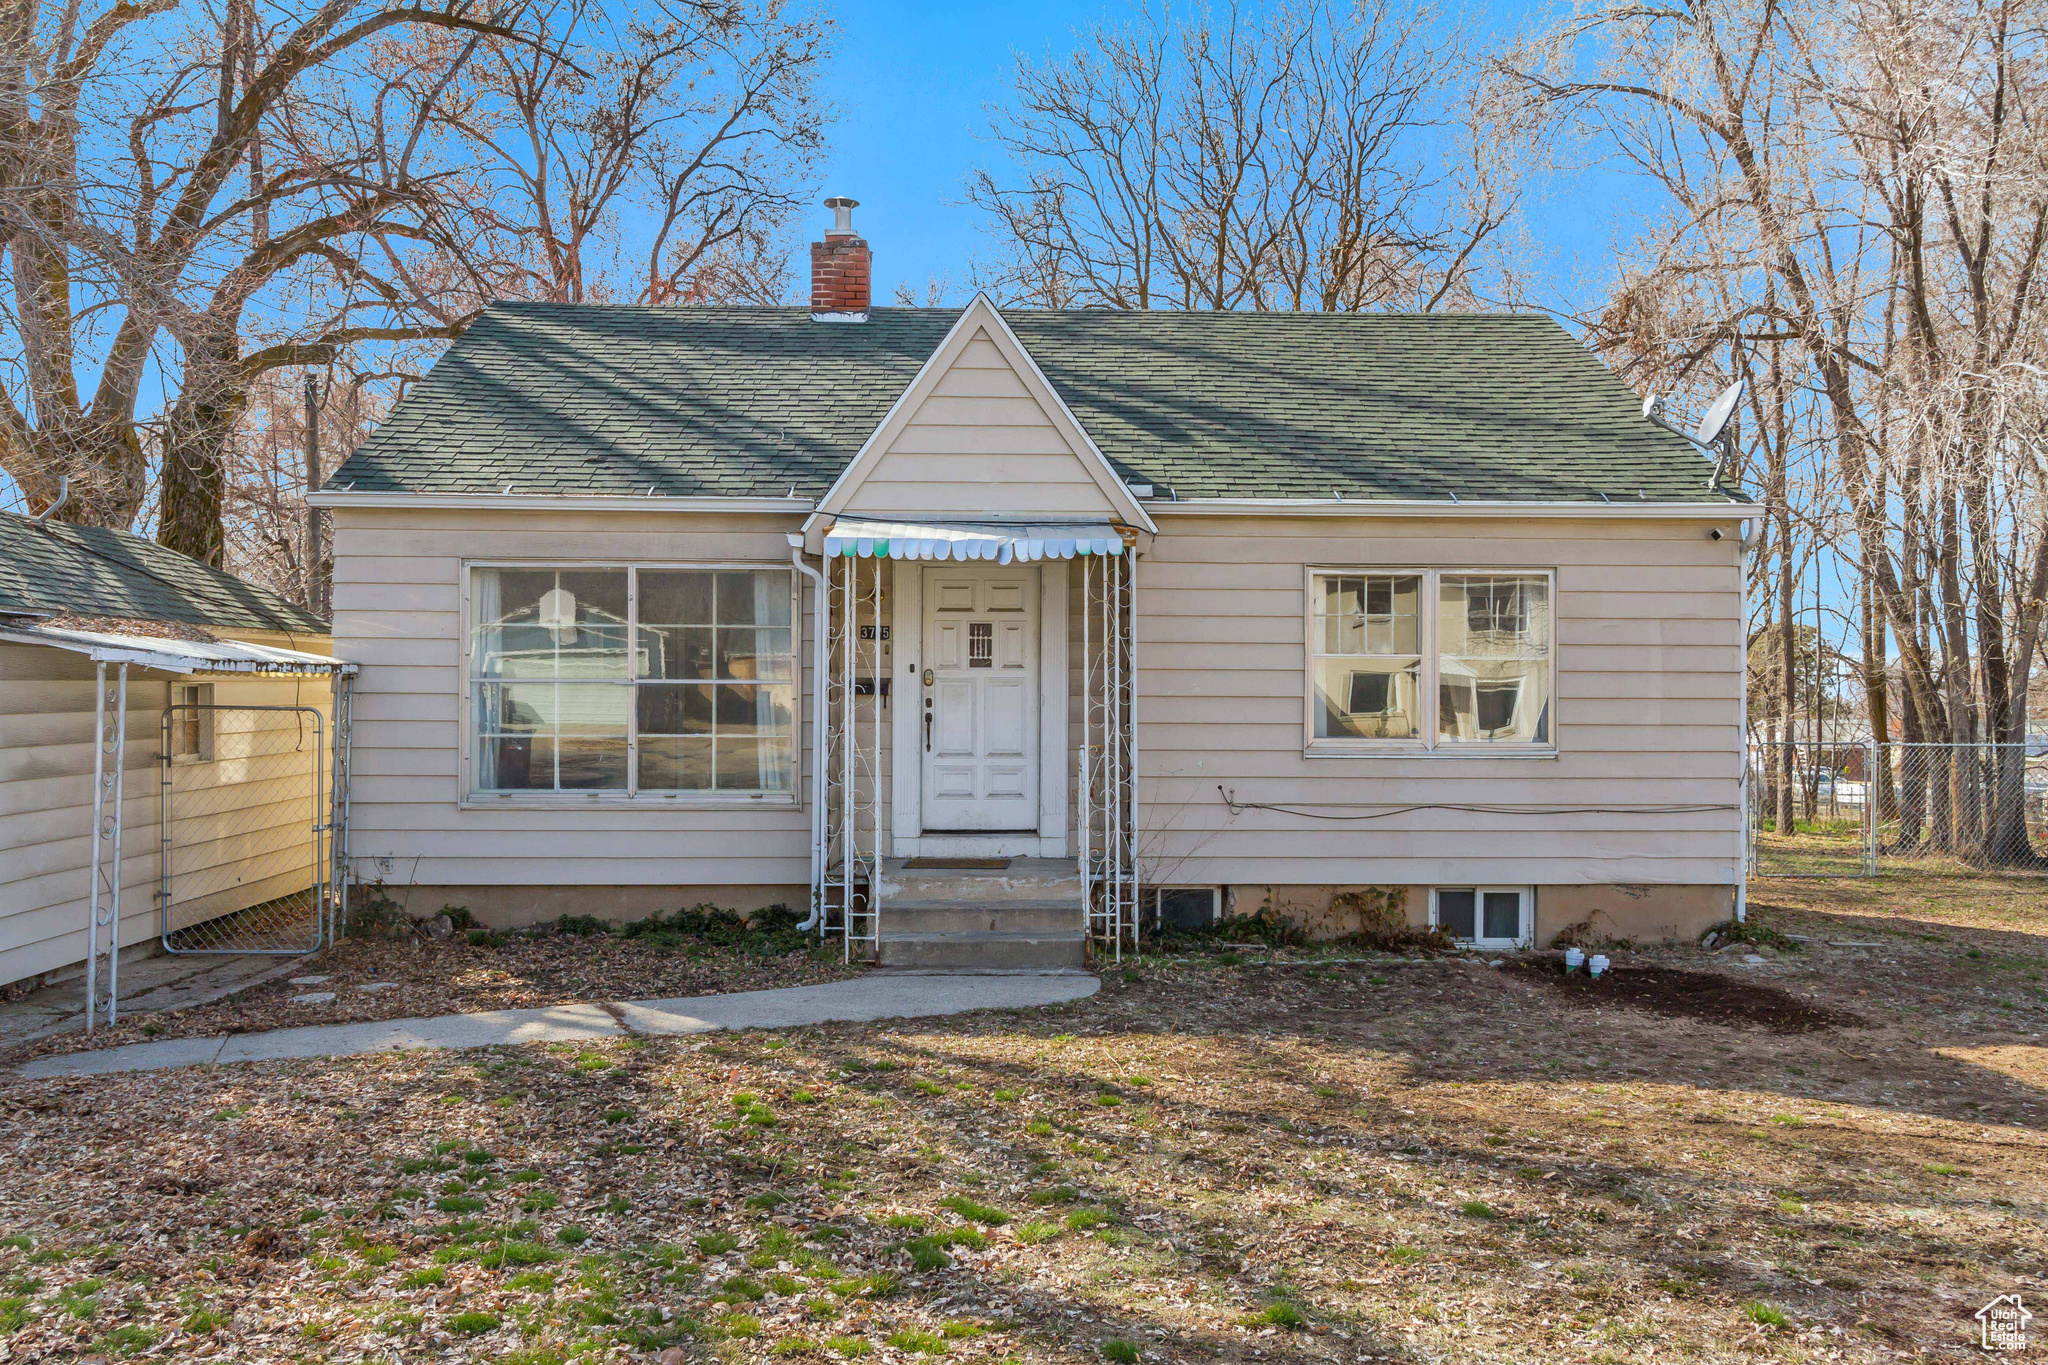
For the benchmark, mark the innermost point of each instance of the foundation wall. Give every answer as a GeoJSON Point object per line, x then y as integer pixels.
{"type": "Point", "coordinates": [1641, 913]}
{"type": "Point", "coordinates": [521, 907]}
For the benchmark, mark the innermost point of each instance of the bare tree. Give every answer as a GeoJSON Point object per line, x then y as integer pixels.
{"type": "Point", "coordinates": [654, 158]}
{"type": "Point", "coordinates": [1287, 159]}
{"type": "Point", "coordinates": [1861, 191]}
{"type": "Point", "coordinates": [193, 197]}
{"type": "Point", "coordinates": [140, 218]}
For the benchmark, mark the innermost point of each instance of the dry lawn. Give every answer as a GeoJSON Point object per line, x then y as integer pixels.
{"type": "Point", "coordinates": [1210, 1160]}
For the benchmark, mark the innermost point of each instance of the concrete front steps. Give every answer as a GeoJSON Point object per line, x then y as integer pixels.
{"type": "Point", "coordinates": [1027, 915]}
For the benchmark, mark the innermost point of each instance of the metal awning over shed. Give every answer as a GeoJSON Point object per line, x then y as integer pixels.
{"type": "Point", "coordinates": [113, 655]}
{"type": "Point", "coordinates": [180, 656]}
{"type": "Point", "coordinates": [971, 540]}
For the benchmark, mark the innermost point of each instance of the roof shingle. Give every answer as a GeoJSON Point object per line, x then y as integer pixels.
{"type": "Point", "coordinates": [762, 402]}
{"type": "Point", "coordinates": [61, 569]}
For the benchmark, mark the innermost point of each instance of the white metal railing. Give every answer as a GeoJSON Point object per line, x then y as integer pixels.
{"type": "Point", "coordinates": [1105, 760]}
{"type": "Point", "coordinates": [851, 853]}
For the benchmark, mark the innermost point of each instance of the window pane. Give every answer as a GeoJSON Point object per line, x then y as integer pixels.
{"type": "Point", "coordinates": [591, 762]}
{"type": "Point", "coordinates": [753, 765]}
{"type": "Point", "coordinates": [1367, 698]}
{"type": "Point", "coordinates": [1369, 614]}
{"type": "Point", "coordinates": [675, 763]}
{"type": "Point", "coordinates": [675, 597]}
{"type": "Point", "coordinates": [547, 735]}
{"type": "Point", "coordinates": [1504, 914]}
{"type": "Point", "coordinates": [675, 651]}
{"type": "Point", "coordinates": [1455, 912]}
{"type": "Point", "coordinates": [675, 709]}
{"type": "Point", "coordinates": [1494, 671]}
{"type": "Point", "coordinates": [753, 598]}
{"type": "Point", "coordinates": [516, 763]}
{"type": "Point", "coordinates": [753, 710]}
{"type": "Point", "coordinates": [545, 623]}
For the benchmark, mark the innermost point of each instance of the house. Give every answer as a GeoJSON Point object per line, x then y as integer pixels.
{"type": "Point", "coordinates": [1162, 615]}
{"type": "Point", "coordinates": [184, 713]}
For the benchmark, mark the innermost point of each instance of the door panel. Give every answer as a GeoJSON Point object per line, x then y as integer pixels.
{"type": "Point", "coordinates": [981, 706]}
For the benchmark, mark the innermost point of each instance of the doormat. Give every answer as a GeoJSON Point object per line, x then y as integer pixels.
{"type": "Point", "coordinates": [959, 864]}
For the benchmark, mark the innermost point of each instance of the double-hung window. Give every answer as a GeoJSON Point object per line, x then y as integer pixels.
{"type": "Point", "coordinates": [632, 681]}
{"type": "Point", "coordinates": [1430, 659]}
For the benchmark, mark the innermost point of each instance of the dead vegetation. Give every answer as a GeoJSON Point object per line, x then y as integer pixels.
{"type": "Point", "coordinates": [1420, 1160]}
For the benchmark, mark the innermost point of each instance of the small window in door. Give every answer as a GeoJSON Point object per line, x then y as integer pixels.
{"type": "Point", "coordinates": [1483, 916]}
{"type": "Point", "coordinates": [981, 644]}
{"type": "Point", "coordinates": [191, 722]}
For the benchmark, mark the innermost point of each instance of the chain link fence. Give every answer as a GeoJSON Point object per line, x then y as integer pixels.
{"type": "Point", "coordinates": [1859, 808]}
{"type": "Point", "coordinates": [243, 824]}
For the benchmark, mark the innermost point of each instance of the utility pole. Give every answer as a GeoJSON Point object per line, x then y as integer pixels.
{"type": "Point", "coordinates": [316, 559]}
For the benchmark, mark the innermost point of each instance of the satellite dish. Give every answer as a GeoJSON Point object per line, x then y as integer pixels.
{"type": "Point", "coordinates": [1652, 406]}
{"type": "Point", "coordinates": [1718, 413]}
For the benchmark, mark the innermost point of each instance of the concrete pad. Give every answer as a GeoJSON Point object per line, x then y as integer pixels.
{"type": "Point", "coordinates": [134, 1057]}
{"type": "Point", "coordinates": [860, 1000]}
{"type": "Point", "coordinates": [314, 998]}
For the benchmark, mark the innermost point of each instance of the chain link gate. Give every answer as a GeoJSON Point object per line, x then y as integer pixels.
{"type": "Point", "coordinates": [245, 828]}
{"type": "Point", "coordinates": [1860, 807]}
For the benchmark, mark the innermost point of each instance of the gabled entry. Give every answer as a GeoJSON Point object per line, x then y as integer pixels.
{"type": "Point", "coordinates": [979, 435]}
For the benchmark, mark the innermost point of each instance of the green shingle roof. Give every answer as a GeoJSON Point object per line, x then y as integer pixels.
{"type": "Point", "coordinates": [59, 569]}
{"type": "Point", "coordinates": [759, 402]}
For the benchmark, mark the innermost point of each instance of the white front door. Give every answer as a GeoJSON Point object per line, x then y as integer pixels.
{"type": "Point", "coordinates": [980, 698]}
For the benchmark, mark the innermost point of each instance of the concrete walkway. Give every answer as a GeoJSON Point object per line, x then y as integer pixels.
{"type": "Point", "coordinates": [165, 981]}
{"type": "Point", "coordinates": [880, 995]}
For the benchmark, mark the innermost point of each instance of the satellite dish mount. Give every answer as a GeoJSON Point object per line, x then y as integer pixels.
{"type": "Point", "coordinates": [1716, 430]}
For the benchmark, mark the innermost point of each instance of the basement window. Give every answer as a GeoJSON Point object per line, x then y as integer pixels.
{"type": "Point", "coordinates": [1484, 916]}
{"type": "Point", "coordinates": [1182, 907]}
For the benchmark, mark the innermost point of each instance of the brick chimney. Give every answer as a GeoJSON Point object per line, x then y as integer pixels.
{"type": "Point", "coordinates": [841, 268]}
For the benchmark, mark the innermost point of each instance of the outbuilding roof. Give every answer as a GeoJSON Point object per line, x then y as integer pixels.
{"type": "Point", "coordinates": [58, 569]}
{"type": "Point", "coordinates": [763, 402]}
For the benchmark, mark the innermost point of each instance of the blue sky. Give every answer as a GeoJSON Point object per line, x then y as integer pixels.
{"type": "Point", "coordinates": [912, 79]}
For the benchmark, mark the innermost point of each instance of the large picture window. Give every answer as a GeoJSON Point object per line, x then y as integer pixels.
{"type": "Point", "coordinates": [1430, 659]}
{"type": "Point", "coordinates": [633, 680]}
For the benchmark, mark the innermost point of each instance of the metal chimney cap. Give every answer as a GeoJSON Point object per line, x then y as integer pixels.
{"type": "Point", "coordinates": [842, 215]}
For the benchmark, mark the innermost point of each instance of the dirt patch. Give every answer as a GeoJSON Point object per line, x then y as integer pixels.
{"type": "Point", "coordinates": [1677, 993]}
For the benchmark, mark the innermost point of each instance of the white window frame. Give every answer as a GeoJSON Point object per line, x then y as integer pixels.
{"type": "Point", "coordinates": [1428, 744]}
{"type": "Point", "coordinates": [491, 799]}
{"type": "Point", "coordinates": [201, 695]}
{"type": "Point", "coordinates": [1528, 917]}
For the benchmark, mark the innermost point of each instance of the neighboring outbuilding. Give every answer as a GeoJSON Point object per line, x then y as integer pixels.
{"type": "Point", "coordinates": [1165, 615]}
{"type": "Point", "coordinates": [193, 713]}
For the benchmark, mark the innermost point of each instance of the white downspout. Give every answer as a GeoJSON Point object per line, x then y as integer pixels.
{"type": "Point", "coordinates": [820, 669]}
{"type": "Point", "coordinates": [1742, 732]}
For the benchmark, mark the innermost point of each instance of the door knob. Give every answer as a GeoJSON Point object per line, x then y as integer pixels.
{"type": "Point", "coordinates": [927, 677]}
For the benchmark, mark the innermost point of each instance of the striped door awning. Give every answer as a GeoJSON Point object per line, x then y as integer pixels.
{"type": "Point", "coordinates": [966, 540]}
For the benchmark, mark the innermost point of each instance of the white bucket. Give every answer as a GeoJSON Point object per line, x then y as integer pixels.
{"type": "Point", "coordinates": [1598, 964]}
{"type": "Point", "coordinates": [1574, 958]}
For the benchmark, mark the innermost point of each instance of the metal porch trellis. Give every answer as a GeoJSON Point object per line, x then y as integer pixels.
{"type": "Point", "coordinates": [850, 825]}
{"type": "Point", "coordinates": [1106, 758]}
{"type": "Point", "coordinates": [852, 666]}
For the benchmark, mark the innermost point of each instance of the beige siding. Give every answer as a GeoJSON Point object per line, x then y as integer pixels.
{"type": "Point", "coordinates": [46, 755]}
{"type": "Point", "coordinates": [398, 613]}
{"type": "Point", "coordinates": [1646, 711]}
{"type": "Point", "coordinates": [1649, 687]}
{"type": "Point", "coordinates": [978, 442]}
